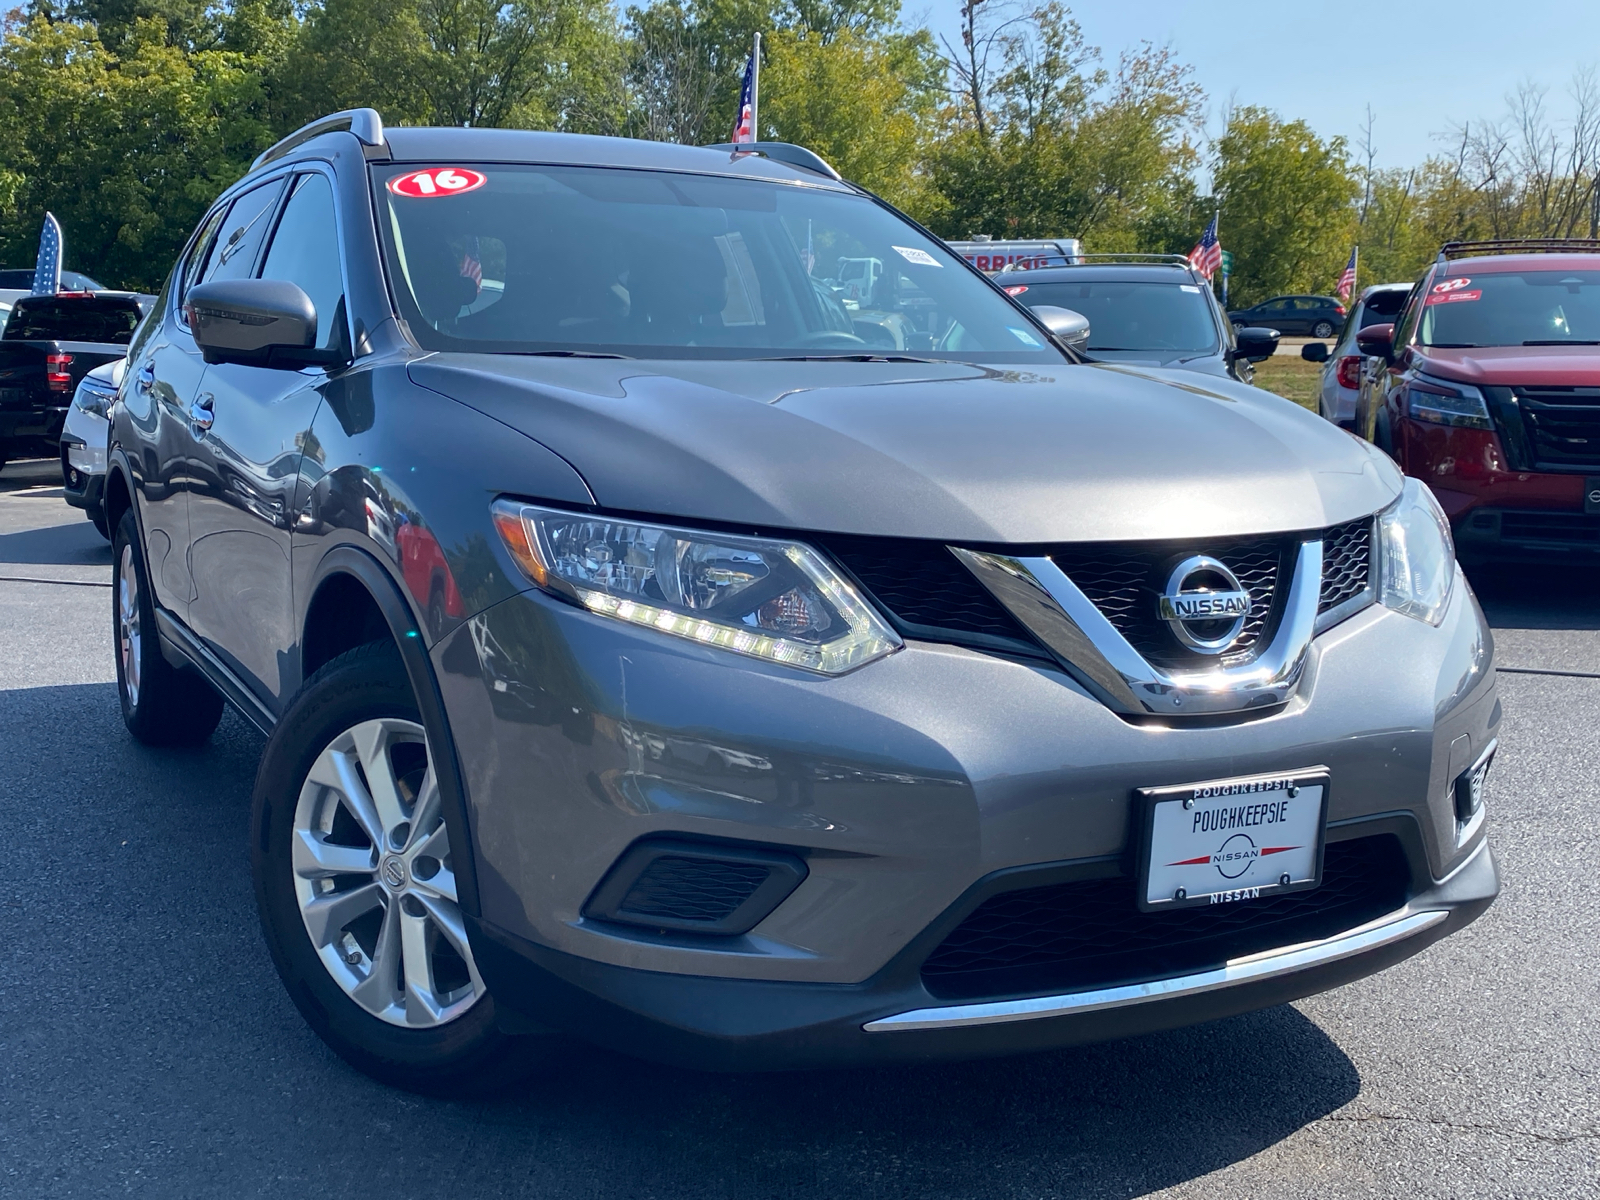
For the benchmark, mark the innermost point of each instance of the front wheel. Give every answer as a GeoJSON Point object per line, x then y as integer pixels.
{"type": "Point", "coordinates": [356, 889]}
{"type": "Point", "coordinates": [1322, 329]}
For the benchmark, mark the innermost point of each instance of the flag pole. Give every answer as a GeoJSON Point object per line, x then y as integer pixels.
{"type": "Point", "coordinates": [755, 87]}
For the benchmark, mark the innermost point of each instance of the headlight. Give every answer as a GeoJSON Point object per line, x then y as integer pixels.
{"type": "Point", "coordinates": [1441, 403]}
{"type": "Point", "coordinates": [94, 397]}
{"type": "Point", "coordinates": [776, 600]}
{"type": "Point", "coordinates": [1417, 558]}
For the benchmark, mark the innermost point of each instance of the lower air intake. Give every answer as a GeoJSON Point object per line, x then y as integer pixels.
{"type": "Point", "coordinates": [1089, 933]}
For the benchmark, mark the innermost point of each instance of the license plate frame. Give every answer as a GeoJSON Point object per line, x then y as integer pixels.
{"type": "Point", "coordinates": [1244, 804]}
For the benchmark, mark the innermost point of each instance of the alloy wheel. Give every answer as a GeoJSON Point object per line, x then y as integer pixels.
{"type": "Point", "coordinates": [373, 878]}
{"type": "Point", "coordinates": [128, 623]}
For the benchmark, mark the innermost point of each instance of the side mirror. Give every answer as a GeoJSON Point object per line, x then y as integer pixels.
{"type": "Point", "coordinates": [1377, 340]}
{"type": "Point", "coordinates": [1255, 342]}
{"type": "Point", "coordinates": [1314, 352]}
{"type": "Point", "coordinates": [257, 323]}
{"type": "Point", "coordinates": [1069, 328]}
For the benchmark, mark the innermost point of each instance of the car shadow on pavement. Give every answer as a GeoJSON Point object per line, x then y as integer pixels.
{"type": "Point", "coordinates": [146, 1044]}
{"type": "Point", "coordinates": [74, 545]}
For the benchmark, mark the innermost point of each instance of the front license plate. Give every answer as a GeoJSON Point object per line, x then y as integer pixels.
{"type": "Point", "coordinates": [1231, 840]}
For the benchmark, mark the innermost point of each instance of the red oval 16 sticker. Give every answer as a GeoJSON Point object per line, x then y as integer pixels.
{"type": "Point", "coordinates": [437, 181]}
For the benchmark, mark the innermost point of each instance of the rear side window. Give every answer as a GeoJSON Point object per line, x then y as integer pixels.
{"type": "Point", "coordinates": [73, 319]}
{"type": "Point", "coordinates": [1382, 307]}
{"type": "Point", "coordinates": [234, 255]}
{"type": "Point", "coordinates": [305, 251]}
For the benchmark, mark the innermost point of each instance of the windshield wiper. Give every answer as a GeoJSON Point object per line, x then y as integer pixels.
{"type": "Point", "coordinates": [1453, 346]}
{"type": "Point", "coordinates": [1560, 342]}
{"type": "Point", "coordinates": [888, 358]}
{"type": "Point", "coordinates": [569, 354]}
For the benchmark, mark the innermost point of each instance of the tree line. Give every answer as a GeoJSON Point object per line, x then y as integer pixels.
{"type": "Point", "coordinates": [126, 118]}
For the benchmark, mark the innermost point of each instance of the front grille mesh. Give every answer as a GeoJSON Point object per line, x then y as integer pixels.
{"type": "Point", "coordinates": [930, 594]}
{"type": "Point", "coordinates": [923, 584]}
{"type": "Point", "coordinates": [692, 889]}
{"type": "Point", "coordinates": [1090, 932]}
{"type": "Point", "coordinates": [1346, 563]}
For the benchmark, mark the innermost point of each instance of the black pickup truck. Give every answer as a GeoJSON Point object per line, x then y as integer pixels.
{"type": "Point", "coordinates": [49, 344]}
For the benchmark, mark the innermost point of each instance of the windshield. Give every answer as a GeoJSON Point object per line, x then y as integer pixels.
{"type": "Point", "coordinates": [556, 259]}
{"type": "Point", "coordinates": [1164, 317]}
{"type": "Point", "coordinates": [1520, 308]}
{"type": "Point", "coordinates": [72, 319]}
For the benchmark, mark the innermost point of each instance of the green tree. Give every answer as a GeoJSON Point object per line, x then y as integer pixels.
{"type": "Point", "coordinates": [857, 101]}
{"type": "Point", "coordinates": [155, 133]}
{"type": "Point", "coordinates": [1286, 200]}
{"type": "Point", "coordinates": [1041, 143]}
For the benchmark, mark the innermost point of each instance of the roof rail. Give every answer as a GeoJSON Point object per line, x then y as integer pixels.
{"type": "Point", "coordinates": [1175, 260]}
{"type": "Point", "coordinates": [784, 152]}
{"type": "Point", "coordinates": [365, 123]}
{"type": "Point", "coordinates": [1519, 246]}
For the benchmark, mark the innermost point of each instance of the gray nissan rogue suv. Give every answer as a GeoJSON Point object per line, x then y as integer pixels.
{"type": "Point", "coordinates": [693, 611]}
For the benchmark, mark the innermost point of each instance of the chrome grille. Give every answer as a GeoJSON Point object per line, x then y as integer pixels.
{"type": "Point", "coordinates": [1563, 425]}
{"type": "Point", "coordinates": [1125, 581]}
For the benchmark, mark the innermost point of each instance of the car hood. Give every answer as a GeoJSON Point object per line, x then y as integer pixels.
{"type": "Point", "coordinates": [1508, 366]}
{"type": "Point", "coordinates": [950, 451]}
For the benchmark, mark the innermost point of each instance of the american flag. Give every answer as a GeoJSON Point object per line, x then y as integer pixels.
{"type": "Point", "coordinates": [1347, 280]}
{"type": "Point", "coordinates": [471, 267]}
{"type": "Point", "coordinates": [744, 131]}
{"type": "Point", "coordinates": [1207, 253]}
{"type": "Point", "coordinates": [47, 274]}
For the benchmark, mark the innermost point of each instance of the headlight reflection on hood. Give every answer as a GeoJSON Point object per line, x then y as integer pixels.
{"type": "Point", "coordinates": [1418, 558]}
{"type": "Point", "coordinates": [776, 600]}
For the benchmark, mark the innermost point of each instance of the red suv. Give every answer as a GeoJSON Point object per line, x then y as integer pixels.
{"type": "Point", "coordinates": [1489, 391]}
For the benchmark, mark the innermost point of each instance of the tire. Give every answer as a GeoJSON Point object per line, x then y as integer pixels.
{"type": "Point", "coordinates": [99, 524]}
{"type": "Point", "coordinates": [161, 705]}
{"type": "Point", "coordinates": [322, 829]}
{"type": "Point", "coordinates": [1322, 329]}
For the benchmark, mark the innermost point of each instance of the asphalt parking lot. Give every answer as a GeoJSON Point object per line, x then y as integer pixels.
{"type": "Point", "coordinates": [147, 1049]}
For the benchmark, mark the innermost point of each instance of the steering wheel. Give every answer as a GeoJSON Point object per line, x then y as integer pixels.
{"type": "Point", "coordinates": [831, 337]}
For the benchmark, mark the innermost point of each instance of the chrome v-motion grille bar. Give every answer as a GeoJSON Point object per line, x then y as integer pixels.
{"type": "Point", "coordinates": [1039, 594]}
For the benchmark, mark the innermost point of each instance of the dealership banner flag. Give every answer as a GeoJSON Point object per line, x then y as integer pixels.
{"type": "Point", "coordinates": [47, 271]}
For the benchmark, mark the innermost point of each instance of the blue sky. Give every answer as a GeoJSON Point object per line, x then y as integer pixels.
{"type": "Point", "coordinates": [1422, 66]}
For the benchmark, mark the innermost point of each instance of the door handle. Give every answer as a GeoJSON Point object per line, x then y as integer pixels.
{"type": "Point", "coordinates": [200, 414]}
{"type": "Point", "coordinates": [147, 378]}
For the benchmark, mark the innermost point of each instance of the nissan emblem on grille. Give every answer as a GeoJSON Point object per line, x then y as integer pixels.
{"type": "Point", "coordinates": [1205, 604]}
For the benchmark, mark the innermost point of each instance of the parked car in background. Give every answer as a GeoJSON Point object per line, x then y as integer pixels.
{"type": "Point", "coordinates": [48, 345]}
{"type": "Point", "coordinates": [83, 441]}
{"type": "Point", "coordinates": [1148, 309]}
{"type": "Point", "coordinates": [1489, 390]}
{"type": "Point", "coordinates": [1340, 387]}
{"type": "Point", "coordinates": [1299, 316]}
{"type": "Point", "coordinates": [17, 282]}
{"type": "Point", "coordinates": [799, 702]}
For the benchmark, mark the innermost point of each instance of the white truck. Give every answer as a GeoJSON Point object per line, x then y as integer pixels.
{"type": "Point", "coordinates": [989, 255]}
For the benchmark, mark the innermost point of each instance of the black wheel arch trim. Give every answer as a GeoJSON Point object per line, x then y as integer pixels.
{"type": "Point", "coordinates": [407, 633]}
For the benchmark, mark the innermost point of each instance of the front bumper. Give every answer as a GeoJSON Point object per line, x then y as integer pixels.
{"type": "Point", "coordinates": [83, 461]}
{"type": "Point", "coordinates": [738, 1025]}
{"type": "Point", "coordinates": [908, 787]}
{"type": "Point", "coordinates": [1529, 534]}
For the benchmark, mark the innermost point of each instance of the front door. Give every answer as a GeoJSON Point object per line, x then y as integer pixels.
{"type": "Point", "coordinates": [242, 494]}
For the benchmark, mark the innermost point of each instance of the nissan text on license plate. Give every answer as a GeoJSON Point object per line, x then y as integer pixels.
{"type": "Point", "coordinates": [1231, 840]}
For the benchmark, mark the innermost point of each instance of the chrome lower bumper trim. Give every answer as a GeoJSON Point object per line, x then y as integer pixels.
{"type": "Point", "coordinates": [1267, 965]}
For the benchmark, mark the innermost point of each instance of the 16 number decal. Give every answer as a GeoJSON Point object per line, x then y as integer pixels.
{"type": "Point", "coordinates": [437, 181]}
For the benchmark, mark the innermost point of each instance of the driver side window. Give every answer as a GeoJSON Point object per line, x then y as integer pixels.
{"type": "Point", "coordinates": [305, 251]}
